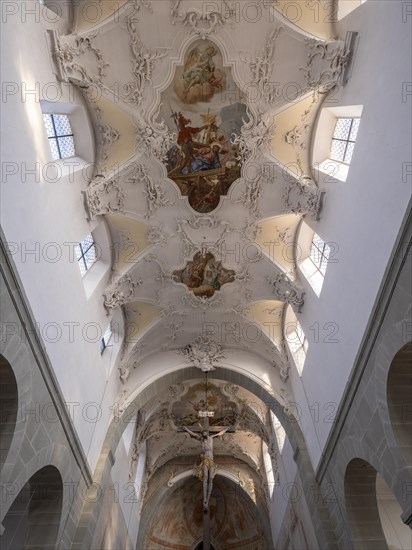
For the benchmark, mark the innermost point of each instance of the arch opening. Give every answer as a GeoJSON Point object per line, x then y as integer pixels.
{"type": "Point", "coordinates": [8, 407]}
{"type": "Point", "coordinates": [33, 520]}
{"type": "Point", "coordinates": [399, 391]}
{"type": "Point", "coordinates": [372, 509]}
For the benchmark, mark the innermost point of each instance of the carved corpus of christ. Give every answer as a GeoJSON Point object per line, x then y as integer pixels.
{"type": "Point", "coordinates": [207, 467]}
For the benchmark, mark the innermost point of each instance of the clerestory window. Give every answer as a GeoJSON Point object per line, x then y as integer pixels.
{"type": "Point", "coordinates": [319, 254]}
{"type": "Point", "coordinates": [60, 135]}
{"type": "Point", "coordinates": [298, 344]}
{"type": "Point", "coordinates": [104, 342]}
{"type": "Point", "coordinates": [343, 140]}
{"type": "Point", "coordinates": [86, 254]}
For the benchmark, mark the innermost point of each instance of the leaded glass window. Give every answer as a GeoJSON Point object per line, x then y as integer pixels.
{"type": "Point", "coordinates": [106, 337]}
{"type": "Point", "coordinates": [344, 137]}
{"type": "Point", "coordinates": [319, 254]}
{"type": "Point", "coordinates": [60, 135]}
{"type": "Point", "coordinates": [86, 254]}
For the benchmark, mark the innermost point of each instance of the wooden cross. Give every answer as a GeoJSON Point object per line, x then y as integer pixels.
{"type": "Point", "coordinates": [209, 430]}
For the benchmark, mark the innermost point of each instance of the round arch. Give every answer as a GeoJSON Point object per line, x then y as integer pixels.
{"type": "Point", "coordinates": [38, 504]}
{"type": "Point", "coordinates": [126, 412]}
{"type": "Point", "coordinates": [361, 506]}
{"type": "Point", "coordinates": [398, 391]}
{"type": "Point", "coordinates": [374, 515]}
{"type": "Point", "coordinates": [8, 407]}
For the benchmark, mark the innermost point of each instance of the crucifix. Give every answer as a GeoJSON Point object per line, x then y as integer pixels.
{"type": "Point", "coordinates": [207, 468]}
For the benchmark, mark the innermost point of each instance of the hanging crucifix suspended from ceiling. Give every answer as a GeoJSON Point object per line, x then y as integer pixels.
{"type": "Point", "coordinates": [207, 467]}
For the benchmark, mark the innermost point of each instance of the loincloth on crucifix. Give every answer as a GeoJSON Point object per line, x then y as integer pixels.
{"type": "Point", "coordinates": [206, 462]}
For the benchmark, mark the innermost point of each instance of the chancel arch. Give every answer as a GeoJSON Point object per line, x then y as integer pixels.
{"type": "Point", "coordinates": [126, 411]}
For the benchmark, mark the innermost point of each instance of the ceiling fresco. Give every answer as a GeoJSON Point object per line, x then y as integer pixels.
{"type": "Point", "coordinates": [204, 275]}
{"type": "Point", "coordinates": [203, 177]}
{"type": "Point", "coordinates": [202, 161]}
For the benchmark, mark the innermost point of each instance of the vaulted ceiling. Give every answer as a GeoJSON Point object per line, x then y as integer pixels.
{"type": "Point", "coordinates": [204, 117]}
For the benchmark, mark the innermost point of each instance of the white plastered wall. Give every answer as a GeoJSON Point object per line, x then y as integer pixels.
{"type": "Point", "coordinates": [362, 216]}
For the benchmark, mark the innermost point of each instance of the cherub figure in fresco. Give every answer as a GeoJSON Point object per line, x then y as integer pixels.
{"type": "Point", "coordinates": [207, 468]}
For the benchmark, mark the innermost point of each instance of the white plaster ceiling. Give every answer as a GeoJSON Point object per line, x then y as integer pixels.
{"type": "Point", "coordinates": [126, 62]}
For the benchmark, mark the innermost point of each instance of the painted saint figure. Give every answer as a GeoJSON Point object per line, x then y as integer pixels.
{"type": "Point", "coordinates": [200, 68]}
{"type": "Point", "coordinates": [207, 467]}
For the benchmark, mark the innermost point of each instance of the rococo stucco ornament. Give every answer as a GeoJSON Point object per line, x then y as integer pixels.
{"type": "Point", "coordinates": [261, 66]}
{"type": "Point", "coordinates": [254, 138]}
{"type": "Point", "coordinates": [325, 63]}
{"type": "Point", "coordinates": [286, 291]}
{"type": "Point", "coordinates": [121, 293]}
{"type": "Point", "coordinates": [204, 21]}
{"type": "Point", "coordinates": [202, 353]}
{"type": "Point", "coordinates": [143, 61]}
{"type": "Point", "coordinates": [302, 196]}
{"type": "Point", "coordinates": [153, 138]}
{"type": "Point", "coordinates": [104, 196]}
{"type": "Point", "coordinates": [68, 49]}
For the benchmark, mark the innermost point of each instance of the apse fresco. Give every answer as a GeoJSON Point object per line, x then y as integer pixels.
{"type": "Point", "coordinates": [203, 107]}
{"type": "Point", "coordinates": [178, 523]}
{"type": "Point", "coordinates": [204, 275]}
{"type": "Point", "coordinates": [186, 411]}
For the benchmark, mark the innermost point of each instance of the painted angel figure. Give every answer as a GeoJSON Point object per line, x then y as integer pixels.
{"type": "Point", "coordinates": [200, 68]}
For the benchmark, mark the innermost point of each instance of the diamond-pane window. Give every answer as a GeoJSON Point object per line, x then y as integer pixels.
{"type": "Point", "coordinates": [297, 339]}
{"type": "Point", "coordinates": [319, 254]}
{"type": "Point", "coordinates": [106, 337]}
{"type": "Point", "coordinates": [344, 137]}
{"type": "Point", "coordinates": [60, 135]}
{"type": "Point", "coordinates": [86, 254]}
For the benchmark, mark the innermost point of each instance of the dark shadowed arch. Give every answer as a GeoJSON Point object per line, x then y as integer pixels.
{"type": "Point", "coordinates": [361, 506]}
{"type": "Point", "coordinates": [399, 392]}
{"type": "Point", "coordinates": [8, 407]}
{"type": "Point", "coordinates": [33, 520]}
